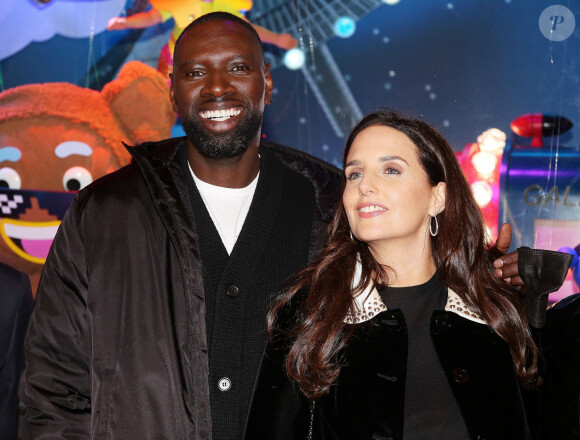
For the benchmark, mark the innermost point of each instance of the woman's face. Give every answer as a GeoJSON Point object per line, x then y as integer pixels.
{"type": "Point", "coordinates": [388, 198]}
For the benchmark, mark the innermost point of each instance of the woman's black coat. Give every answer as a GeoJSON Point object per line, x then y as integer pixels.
{"type": "Point", "coordinates": [367, 401]}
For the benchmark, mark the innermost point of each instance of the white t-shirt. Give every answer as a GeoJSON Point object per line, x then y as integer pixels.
{"type": "Point", "coordinates": [227, 207]}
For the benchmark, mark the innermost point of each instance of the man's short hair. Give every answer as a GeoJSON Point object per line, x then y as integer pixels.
{"type": "Point", "coordinates": [223, 16]}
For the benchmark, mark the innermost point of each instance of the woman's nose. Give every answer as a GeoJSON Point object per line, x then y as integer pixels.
{"type": "Point", "coordinates": [366, 186]}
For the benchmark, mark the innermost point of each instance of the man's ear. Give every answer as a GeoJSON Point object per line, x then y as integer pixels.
{"type": "Point", "coordinates": [269, 85]}
{"type": "Point", "coordinates": [439, 193]}
{"type": "Point", "coordinates": [172, 94]}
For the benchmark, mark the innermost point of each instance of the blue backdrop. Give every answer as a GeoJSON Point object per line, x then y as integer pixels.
{"type": "Point", "coordinates": [463, 65]}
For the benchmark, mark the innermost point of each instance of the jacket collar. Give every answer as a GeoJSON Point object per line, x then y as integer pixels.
{"type": "Point", "coordinates": [158, 154]}
{"type": "Point", "coordinates": [368, 303]}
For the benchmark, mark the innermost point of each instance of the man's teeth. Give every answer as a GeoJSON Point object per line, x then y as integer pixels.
{"type": "Point", "coordinates": [220, 115]}
{"type": "Point", "coordinates": [372, 208]}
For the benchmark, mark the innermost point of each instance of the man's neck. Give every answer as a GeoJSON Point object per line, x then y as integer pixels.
{"type": "Point", "coordinates": [236, 172]}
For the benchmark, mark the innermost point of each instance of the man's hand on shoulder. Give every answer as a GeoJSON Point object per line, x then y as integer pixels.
{"type": "Point", "coordinates": [506, 265]}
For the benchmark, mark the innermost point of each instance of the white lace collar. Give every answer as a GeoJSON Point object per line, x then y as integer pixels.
{"type": "Point", "coordinates": [368, 303]}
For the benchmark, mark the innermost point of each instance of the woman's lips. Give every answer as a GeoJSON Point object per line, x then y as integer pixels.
{"type": "Point", "coordinates": [370, 210]}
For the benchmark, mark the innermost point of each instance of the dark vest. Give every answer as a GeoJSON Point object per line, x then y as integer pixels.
{"type": "Point", "coordinates": [273, 244]}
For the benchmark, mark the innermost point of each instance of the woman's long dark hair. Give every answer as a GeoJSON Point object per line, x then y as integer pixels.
{"type": "Point", "coordinates": [320, 296]}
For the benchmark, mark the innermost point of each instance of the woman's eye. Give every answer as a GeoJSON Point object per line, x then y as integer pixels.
{"type": "Point", "coordinates": [354, 175]}
{"type": "Point", "coordinates": [392, 170]}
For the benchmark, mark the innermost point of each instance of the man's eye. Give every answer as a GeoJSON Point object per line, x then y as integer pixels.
{"type": "Point", "coordinates": [194, 73]}
{"type": "Point", "coordinates": [240, 68]}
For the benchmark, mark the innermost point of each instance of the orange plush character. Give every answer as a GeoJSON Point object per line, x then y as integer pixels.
{"type": "Point", "coordinates": [56, 138]}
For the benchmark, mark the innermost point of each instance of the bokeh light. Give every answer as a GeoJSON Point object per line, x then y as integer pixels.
{"type": "Point", "coordinates": [484, 163]}
{"type": "Point", "coordinates": [294, 59]}
{"type": "Point", "coordinates": [344, 27]}
{"type": "Point", "coordinates": [492, 140]}
{"type": "Point", "coordinates": [482, 192]}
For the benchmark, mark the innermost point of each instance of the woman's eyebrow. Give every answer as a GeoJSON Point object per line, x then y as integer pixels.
{"type": "Point", "coordinates": [352, 163]}
{"type": "Point", "coordinates": [389, 158]}
{"type": "Point", "coordinates": [357, 162]}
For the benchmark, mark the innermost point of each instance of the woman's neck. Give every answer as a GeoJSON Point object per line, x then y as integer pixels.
{"type": "Point", "coordinates": [409, 265]}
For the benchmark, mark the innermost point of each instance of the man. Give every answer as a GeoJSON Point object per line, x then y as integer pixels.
{"type": "Point", "coordinates": [15, 309]}
{"type": "Point", "coordinates": [150, 316]}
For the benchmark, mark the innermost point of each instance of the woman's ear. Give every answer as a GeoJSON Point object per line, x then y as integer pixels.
{"type": "Point", "coordinates": [439, 193]}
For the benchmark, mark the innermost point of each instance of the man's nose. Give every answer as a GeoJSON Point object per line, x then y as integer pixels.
{"type": "Point", "coordinates": [217, 84]}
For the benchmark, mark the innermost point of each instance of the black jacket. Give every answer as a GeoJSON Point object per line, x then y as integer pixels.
{"type": "Point", "coordinates": [560, 394]}
{"type": "Point", "coordinates": [367, 401]}
{"type": "Point", "coordinates": [117, 345]}
{"type": "Point", "coordinates": [15, 308]}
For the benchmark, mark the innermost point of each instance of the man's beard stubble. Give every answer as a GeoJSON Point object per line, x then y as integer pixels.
{"type": "Point", "coordinates": [223, 145]}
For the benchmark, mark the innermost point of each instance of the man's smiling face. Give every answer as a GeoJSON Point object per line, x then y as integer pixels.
{"type": "Point", "coordinates": [220, 86]}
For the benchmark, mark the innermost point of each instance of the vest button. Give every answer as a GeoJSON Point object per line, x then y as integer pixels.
{"type": "Point", "coordinates": [460, 375]}
{"type": "Point", "coordinates": [224, 384]}
{"type": "Point", "coordinates": [233, 291]}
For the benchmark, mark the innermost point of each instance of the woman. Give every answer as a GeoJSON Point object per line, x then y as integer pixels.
{"type": "Point", "coordinates": [400, 329]}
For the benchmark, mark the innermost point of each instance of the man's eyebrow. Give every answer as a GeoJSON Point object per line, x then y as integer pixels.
{"type": "Point", "coordinates": [187, 62]}
{"type": "Point", "coordinates": [68, 148]}
{"type": "Point", "coordinates": [11, 154]}
{"type": "Point", "coordinates": [196, 60]}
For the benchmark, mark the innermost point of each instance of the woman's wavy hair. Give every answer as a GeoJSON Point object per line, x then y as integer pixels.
{"type": "Point", "coordinates": [311, 312]}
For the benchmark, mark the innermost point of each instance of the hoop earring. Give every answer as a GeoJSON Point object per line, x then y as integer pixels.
{"type": "Point", "coordinates": [433, 233]}
{"type": "Point", "coordinates": [351, 236]}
